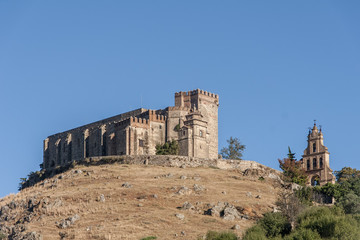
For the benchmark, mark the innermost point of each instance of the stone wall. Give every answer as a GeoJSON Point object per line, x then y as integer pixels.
{"type": "Point", "coordinates": [138, 132]}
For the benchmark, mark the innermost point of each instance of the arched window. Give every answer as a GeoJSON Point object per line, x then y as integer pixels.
{"type": "Point", "coordinates": [308, 164]}
{"type": "Point", "coordinates": [321, 162]}
{"type": "Point", "coordinates": [315, 181]}
{"type": "Point", "coordinates": [69, 152]}
{"type": "Point", "coordinates": [58, 157]}
{"type": "Point", "coordinates": [314, 163]}
{"type": "Point", "coordinates": [314, 147]}
{"type": "Point", "coordinates": [87, 148]}
{"type": "Point", "coordinates": [104, 145]}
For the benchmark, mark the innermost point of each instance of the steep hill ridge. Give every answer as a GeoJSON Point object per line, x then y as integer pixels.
{"type": "Point", "coordinates": [132, 201]}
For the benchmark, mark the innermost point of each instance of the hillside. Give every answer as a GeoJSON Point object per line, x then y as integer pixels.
{"type": "Point", "coordinates": [122, 201]}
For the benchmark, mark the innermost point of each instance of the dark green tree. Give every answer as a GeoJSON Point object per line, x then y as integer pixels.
{"type": "Point", "coordinates": [233, 150]}
{"type": "Point", "coordinates": [291, 155]}
{"type": "Point", "coordinates": [168, 148]}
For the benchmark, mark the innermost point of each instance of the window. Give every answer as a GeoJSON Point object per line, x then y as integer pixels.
{"type": "Point", "coordinates": [201, 133]}
{"type": "Point", "coordinates": [69, 152]}
{"type": "Point", "coordinates": [314, 147]}
{"type": "Point", "coordinates": [160, 127]}
{"type": "Point", "coordinates": [104, 145]}
{"type": "Point", "coordinates": [321, 163]}
{"type": "Point", "coordinates": [59, 153]}
{"type": "Point", "coordinates": [308, 164]}
{"type": "Point", "coordinates": [87, 150]}
{"type": "Point", "coordinates": [315, 181]}
{"type": "Point", "coordinates": [141, 143]}
{"type": "Point", "coordinates": [314, 163]}
{"type": "Point", "coordinates": [184, 133]}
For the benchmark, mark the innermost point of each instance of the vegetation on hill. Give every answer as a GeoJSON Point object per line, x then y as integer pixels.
{"type": "Point", "coordinates": [234, 150]}
{"type": "Point", "coordinates": [298, 219]}
{"type": "Point", "coordinates": [314, 223]}
{"type": "Point", "coordinates": [213, 235]}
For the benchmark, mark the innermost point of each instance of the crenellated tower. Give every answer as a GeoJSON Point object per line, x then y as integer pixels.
{"type": "Point", "coordinates": [316, 161]}
{"type": "Point", "coordinates": [198, 135]}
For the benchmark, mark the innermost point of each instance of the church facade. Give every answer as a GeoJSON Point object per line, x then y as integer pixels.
{"type": "Point", "coordinates": [316, 160]}
{"type": "Point", "coordinates": [193, 122]}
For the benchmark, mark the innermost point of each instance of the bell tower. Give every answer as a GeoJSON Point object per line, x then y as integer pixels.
{"type": "Point", "coordinates": [315, 160]}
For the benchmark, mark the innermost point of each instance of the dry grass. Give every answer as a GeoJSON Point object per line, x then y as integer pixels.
{"type": "Point", "coordinates": [121, 216]}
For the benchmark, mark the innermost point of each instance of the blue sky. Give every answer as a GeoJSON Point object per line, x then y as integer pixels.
{"type": "Point", "coordinates": [277, 66]}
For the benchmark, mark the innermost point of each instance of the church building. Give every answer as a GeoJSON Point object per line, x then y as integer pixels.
{"type": "Point", "coordinates": [315, 161]}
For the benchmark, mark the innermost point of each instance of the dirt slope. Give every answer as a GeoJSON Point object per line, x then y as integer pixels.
{"type": "Point", "coordinates": [135, 201]}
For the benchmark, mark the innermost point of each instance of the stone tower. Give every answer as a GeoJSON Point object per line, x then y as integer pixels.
{"type": "Point", "coordinates": [198, 135]}
{"type": "Point", "coordinates": [315, 160]}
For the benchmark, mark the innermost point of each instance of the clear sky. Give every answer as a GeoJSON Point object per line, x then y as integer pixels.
{"type": "Point", "coordinates": [277, 66]}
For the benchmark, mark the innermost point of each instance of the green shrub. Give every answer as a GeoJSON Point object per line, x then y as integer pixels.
{"type": "Point", "coordinates": [169, 148]}
{"type": "Point", "coordinates": [303, 234]}
{"type": "Point", "coordinates": [330, 223]}
{"type": "Point", "coordinates": [261, 178]}
{"type": "Point", "coordinates": [255, 233]}
{"type": "Point", "coordinates": [2, 236]}
{"type": "Point", "coordinates": [212, 235]}
{"type": "Point", "coordinates": [320, 219]}
{"type": "Point", "coordinates": [304, 194]}
{"type": "Point", "coordinates": [350, 203]}
{"type": "Point", "coordinates": [149, 238]}
{"type": "Point", "coordinates": [275, 224]}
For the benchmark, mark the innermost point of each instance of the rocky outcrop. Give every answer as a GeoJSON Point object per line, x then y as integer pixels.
{"type": "Point", "coordinates": [249, 168]}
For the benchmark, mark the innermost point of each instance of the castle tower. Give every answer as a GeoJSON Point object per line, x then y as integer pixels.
{"type": "Point", "coordinates": [201, 120]}
{"type": "Point", "coordinates": [193, 137]}
{"type": "Point", "coordinates": [315, 160]}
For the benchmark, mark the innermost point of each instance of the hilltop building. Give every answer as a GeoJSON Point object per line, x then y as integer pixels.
{"type": "Point", "coordinates": [315, 160]}
{"type": "Point", "coordinates": [193, 122]}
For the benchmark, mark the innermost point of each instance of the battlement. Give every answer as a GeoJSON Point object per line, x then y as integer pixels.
{"type": "Point", "coordinates": [156, 117]}
{"type": "Point", "coordinates": [197, 92]}
{"type": "Point", "coordinates": [139, 122]}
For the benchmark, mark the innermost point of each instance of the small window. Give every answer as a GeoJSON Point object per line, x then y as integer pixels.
{"type": "Point", "coordinates": [184, 133]}
{"type": "Point", "coordinates": [308, 164]}
{"type": "Point", "coordinates": [321, 163]}
{"type": "Point", "coordinates": [314, 163]}
{"type": "Point", "coordinates": [160, 127]}
{"type": "Point", "coordinates": [141, 143]}
{"type": "Point", "coordinates": [314, 147]}
{"type": "Point", "coordinates": [201, 133]}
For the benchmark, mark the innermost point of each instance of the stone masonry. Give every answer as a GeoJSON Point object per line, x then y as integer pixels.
{"type": "Point", "coordinates": [316, 161]}
{"type": "Point", "coordinates": [193, 122]}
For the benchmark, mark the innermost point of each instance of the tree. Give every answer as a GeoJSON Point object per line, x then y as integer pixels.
{"type": "Point", "coordinates": [347, 174]}
{"type": "Point", "coordinates": [290, 206]}
{"type": "Point", "coordinates": [168, 148]}
{"type": "Point", "coordinates": [234, 150]}
{"type": "Point", "coordinates": [293, 170]}
{"type": "Point", "coordinates": [291, 155]}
